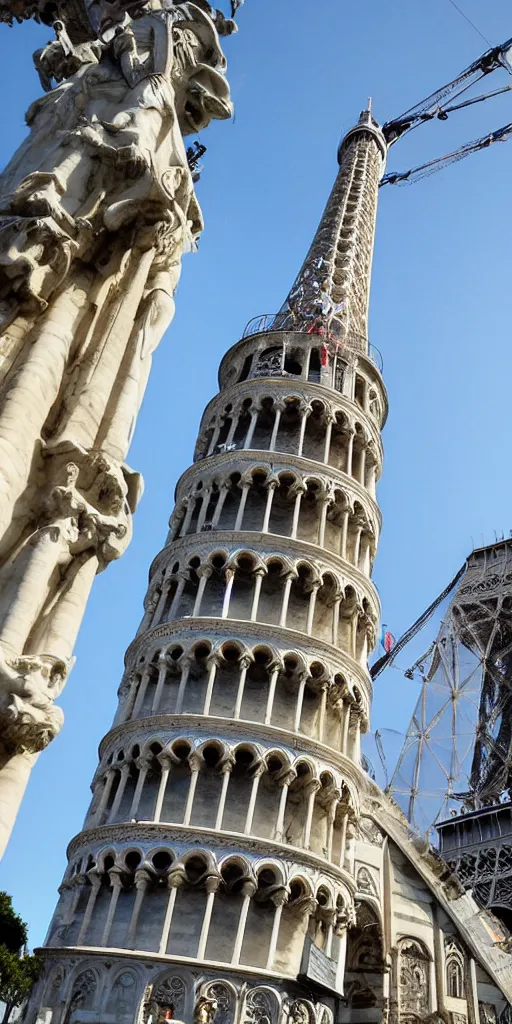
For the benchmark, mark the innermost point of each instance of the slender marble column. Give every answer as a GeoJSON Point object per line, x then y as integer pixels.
{"type": "Point", "coordinates": [166, 764]}
{"type": "Point", "coordinates": [350, 453]}
{"type": "Point", "coordinates": [144, 683]}
{"type": "Point", "coordinates": [226, 773]}
{"type": "Point", "coordinates": [109, 780]}
{"type": "Point", "coordinates": [258, 772]}
{"type": "Point", "coordinates": [212, 885]}
{"type": "Point", "coordinates": [286, 599]}
{"type": "Point", "coordinates": [188, 515]}
{"type": "Point", "coordinates": [185, 665]}
{"type": "Point", "coordinates": [312, 604]}
{"type": "Point", "coordinates": [326, 502]}
{"type": "Point", "coordinates": [246, 486]}
{"type": "Point", "coordinates": [223, 493]}
{"type": "Point", "coordinates": [312, 790]}
{"type": "Point", "coordinates": [344, 534]}
{"type": "Point", "coordinates": [182, 580]}
{"type": "Point", "coordinates": [117, 885]}
{"type": "Point", "coordinates": [279, 901]}
{"type": "Point", "coordinates": [259, 574]}
{"type": "Point", "coordinates": [168, 917]}
{"type": "Point", "coordinates": [142, 880]}
{"type": "Point", "coordinates": [252, 427]}
{"type": "Point", "coordinates": [212, 665]}
{"type": "Point", "coordinates": [286, 777]}
{"type": "Point", "coordinates": [271, 694]}
{"type": "Point", "coordinates": [328, 434]}
{"type": "Point", "coordinates": [196, 764]}
{"type": "Point", "coordinates": [306, 413]}
{"type": "Point", "coordinates": [296, 511]}
{"type": "Point", "coordinates": [93, 895]}
{"type": "Point", "coordinates": [215, 437]}
{"type": "Point", "coordinates": [245, 663]}
{"type": "Point", "coordinates": [273, 484]}
{"type": "Point", "coordinates": [204, 508]}
{"type": "Point", "coordinates": [230, 578]}
{"type": "Point", "coordinates": [125, 774]}
{"type": "Point", "coordinates": [279, 409]}
{"type": "Point", "coordinates": [143, 764]}
{"type": "Point", "coordinates": [248, 890]}
{"type": "Point", "coordinates": [300, 701]}
{"type": "Point", "coordinates": [163, 668]}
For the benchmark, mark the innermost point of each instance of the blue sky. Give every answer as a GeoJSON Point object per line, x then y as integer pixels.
{"type": "Point", "coordinates": [300, 73]}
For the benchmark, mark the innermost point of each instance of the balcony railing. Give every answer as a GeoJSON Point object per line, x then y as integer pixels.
{"type": "Point", "coordinates": [331, 331]}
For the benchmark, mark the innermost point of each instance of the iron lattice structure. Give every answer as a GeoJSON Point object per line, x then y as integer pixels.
{"type": "Point", "coordinates": [457, 754]}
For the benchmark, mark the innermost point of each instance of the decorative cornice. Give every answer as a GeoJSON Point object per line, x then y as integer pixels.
{"type": "Point", "coordinates": [194, 966]}
{"type": "Point", "coordinates": [228, 727]}
{"type": "Point", "coordinates": [203, 543]}
{"type": "Point", "coordinates": [252, 632]}
{"type": "Point", "coordinates": [138, 831]}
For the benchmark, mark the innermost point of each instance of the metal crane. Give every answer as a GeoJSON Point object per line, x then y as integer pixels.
{"type": "Point", "coordinates": [440, 104]}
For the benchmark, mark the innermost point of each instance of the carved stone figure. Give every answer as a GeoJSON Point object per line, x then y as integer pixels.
{"type": "Point", "coordinates": [205, 1010]}
{"type": "Point", "coordinates": [96, 209]}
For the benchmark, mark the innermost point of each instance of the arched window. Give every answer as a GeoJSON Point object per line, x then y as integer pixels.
{"type": "Point", "coordinates": [122, 997]}
{"type": "Point", "coordinates": [269, 363]}
{"type": "Point", "coordinates": [454, 961]}
{"type": "Point", "coordinates": [414, 980]}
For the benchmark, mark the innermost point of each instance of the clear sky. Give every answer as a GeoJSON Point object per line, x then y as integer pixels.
{"type": "Point", "coordinates": [300, 73]}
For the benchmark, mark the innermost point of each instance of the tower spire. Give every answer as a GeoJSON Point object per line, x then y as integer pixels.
{"type": "Point", "coordinates": [334, 280]}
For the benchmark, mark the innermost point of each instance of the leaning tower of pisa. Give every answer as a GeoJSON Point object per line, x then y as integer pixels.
{"type": "Point", "coordinates": [214, 876]}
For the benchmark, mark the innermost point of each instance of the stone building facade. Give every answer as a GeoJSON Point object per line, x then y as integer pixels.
{"type": "Point", "coordinates": [236, 862]}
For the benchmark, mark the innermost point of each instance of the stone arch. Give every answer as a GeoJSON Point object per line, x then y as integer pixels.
{"type": "Point", "coordinates": [316, 430]}
{"type": "Point", "coordinates": [413, 978]}
{"type": "Point", "coordinates": [223, 516]}
{"type": "Point", "coordinates": [294, 924]}
{"type": "Point", "coordinates": [262, 1005]}
{"type": "Point", "coordinates": [262, 911]}
{"type": "Point", "coordinates": [270, 601]}
{"type": "Point", "coordinates": [123, 996]}
{"type": "Point", "coordinates": [237, 885]}
{"type": "Point", "coordinates": [290, 424]}
{"type": "Point", "coordinates": [264, 423]}
{"type": "Point", "coordinates": [84, 994]}
{"type": "Point", "coordinates": [53, 994]}
{"type": "Point", "coordinates": [171, 991]}
{"type": "Point", "coordinates": [283, 504]}
{"type": "Point", "coordinates": [225, 995]}
{"type": "Point", "coordinates": [245, 767]}
{"type": "Point", "coordinates": [257, 682]}
{"type": "Point", "coordinates": [365, 882]}
{"type": "Point", "coordinates": [256, 482]}
{"type": "Point", "coordinates": [455, 970]}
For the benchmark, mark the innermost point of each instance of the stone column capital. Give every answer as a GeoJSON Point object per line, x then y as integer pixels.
{"type": "Point", "coordinates": [143, 874]}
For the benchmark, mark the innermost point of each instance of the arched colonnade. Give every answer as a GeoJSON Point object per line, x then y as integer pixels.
{"type": "Point", "coordinates": [232, 910]}
{"type": "Point", "coordinates": [232, 680]}
{"type": "Point", "coordinates": [281, 502]}
{"type": "Point", "coordinates": [288, 424]}
{"type": "Point", "coordinates": [272, 589]}
{"type": "Point", "coordinates": [241, 787]}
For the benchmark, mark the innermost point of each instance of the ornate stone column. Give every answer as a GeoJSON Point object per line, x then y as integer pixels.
{"type": "Point", "coordinates": [97, 207]}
